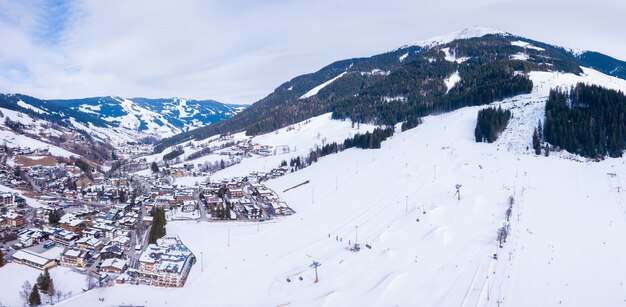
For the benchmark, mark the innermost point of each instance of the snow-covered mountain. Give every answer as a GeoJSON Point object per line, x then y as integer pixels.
{"type": "Point", "coordinates": [431, 76]}
{"type": "Point", "coordinates": [428, 246]}
{"type": "Point", "coordinates": [422, 243]}
{"type": "Point", "coordinates": [163, 117]}
{"type": "Point", "coordinates": [119, 119]}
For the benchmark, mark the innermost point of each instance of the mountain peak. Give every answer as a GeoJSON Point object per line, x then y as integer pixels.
{"type": "Point", "coordinates": [466, 33]}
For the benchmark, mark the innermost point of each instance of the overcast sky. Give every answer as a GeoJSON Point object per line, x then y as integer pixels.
{"type": "Point", "coordinates": [239, 51]}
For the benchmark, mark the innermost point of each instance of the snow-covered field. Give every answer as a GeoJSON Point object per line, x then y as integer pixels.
{"type": "Point", "coordinates": [14, 275]}
{"type": "Point", "coordinates": [566, 246]}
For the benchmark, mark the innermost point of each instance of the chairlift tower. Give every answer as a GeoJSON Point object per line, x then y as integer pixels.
{"type": "Point", "coordinates": [458, 191]}
{"type": "Point", "coordinates": [314, 265]}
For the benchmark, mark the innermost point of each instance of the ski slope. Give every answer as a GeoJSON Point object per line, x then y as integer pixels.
{"type": "Point", "coordinates": [565, 248]}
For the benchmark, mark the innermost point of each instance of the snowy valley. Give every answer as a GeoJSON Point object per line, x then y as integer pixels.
{"type": "Point", "coordinates": [431, 218]}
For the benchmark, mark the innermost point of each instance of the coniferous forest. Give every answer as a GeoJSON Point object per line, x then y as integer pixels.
{"type": "Point", "coordinates": [589, 120]}
{"type": "Point", "coordinates": [490, 123]}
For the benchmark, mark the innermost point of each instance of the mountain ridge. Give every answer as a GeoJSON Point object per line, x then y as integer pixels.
{"type": "Point", "coordinates": [365, 78]}
{"type": "Point", "coordinates": [149, 116]}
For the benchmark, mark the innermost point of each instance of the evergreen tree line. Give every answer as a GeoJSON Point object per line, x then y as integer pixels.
{"type": "Point", "coordinates": [173, 154]}
{"type": "Point", "coordinates": [14, 125]}
{"type": "Point", "coordinates": [410, 123]}
{"type": "Point", "coordinates": [588, 120]}
{"type": "Point", "coordinates": [367, 140]}
{"type": "Point", "coordinates": [157, 230]}
{"type": "Point", "coordinates": [490, 123]}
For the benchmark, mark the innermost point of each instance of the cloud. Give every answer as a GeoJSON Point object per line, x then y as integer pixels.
{"type": "Point", "coordinates": [239, 51]}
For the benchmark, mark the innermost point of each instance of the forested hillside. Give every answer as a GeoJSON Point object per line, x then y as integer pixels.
{"type": "Point", "coordinates": [407, 83]}
{"type": "Point", "coordinates": [588, 120]}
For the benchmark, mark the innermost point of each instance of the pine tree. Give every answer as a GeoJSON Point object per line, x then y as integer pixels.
{"type": "Point", "coordinates": [536, 142]}
{"type": "Point", "coordinates": [154, 167]}
{"type": "Point", "coordinates": [34, 299]}
{"type": "Point", "coordinates": [122, 196]}
{"type": "Point", "coordinates": [44, 280]}
{"type": "Point", "coordinates": [157, 230]}
{"type": "Point", "coordinates": [54, 217]}
{"type": "Point", "coordinates": [1, 258]}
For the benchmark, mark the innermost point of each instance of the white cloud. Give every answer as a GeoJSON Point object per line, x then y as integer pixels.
{"type": "Point", "coordinates": [239, 51]}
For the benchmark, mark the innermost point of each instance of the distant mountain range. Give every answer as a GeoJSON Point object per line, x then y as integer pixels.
{"type": "Point", "coordinates": [107, 117]}
{"type": "Point", "coordinates": [470, 67]}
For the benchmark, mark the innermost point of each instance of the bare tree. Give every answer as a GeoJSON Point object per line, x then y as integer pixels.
{"type": "Point", "coordinates": [503, 233]}
{"type": "Point", "coordinates": [25, 292]}
{"type": "Point", "coordinates": [51, 291]}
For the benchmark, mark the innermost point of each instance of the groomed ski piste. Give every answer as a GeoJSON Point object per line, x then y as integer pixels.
{"type": "Point", "coordinates": [428, 247]}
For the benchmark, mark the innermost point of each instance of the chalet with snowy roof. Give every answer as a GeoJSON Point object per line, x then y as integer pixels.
{"type": "Point", "coordinates": [184, 195]}
{"type": "Point", "coordinates": [189, 206]}
{"type": "Point", "coordinates": [129, 220]}
{"type": "Point", "coordinates": [165, 201]}
{"type": "Point", "coordinates": [91, 233]}
{"type": "Point", "coordinates": [281, 208]}
{"type": "Point", "coordinates": [252, 211]}
{"type": "Point", "coordinates": [31, 236]}
{"type": "Point", "coordinates": [106, 228]}
{"type": "Point", "coordinates": [13, 219]}
{"type": "Point", "coordinates": [33, 259]}
{"type": "Point", "coordinates": [111, 251]}
{"type": "Point", "coordinates": [121, 242]}
{"type": "Point", "coordinates": [74, 257]}
{"type": "Point", "coordinates": [72, 223]}
{"type": "Point", "coordinates": [114, 265]}
{"type": "Point", "coordinates": [89, 243]}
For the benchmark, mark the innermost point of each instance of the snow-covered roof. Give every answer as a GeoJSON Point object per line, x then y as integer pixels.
{"type": "Point", "coordinates": [113, 263]}
{"type": "Point", "coordinates": [31, 257]}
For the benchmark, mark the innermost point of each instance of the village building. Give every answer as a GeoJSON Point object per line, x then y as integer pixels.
{"type": "Point", "coordinates": [111, 251]}
{"type": "Point", "coordinates": [33, 259]}
{"type": "Point", "coordinates": [74, 257]}
{"type": "Point", "coordinates": [13, 219]}
{"type": "Point", "coordinates": [166, 263]}
{"type": "Point", "coordinates": [89, 243]}
{"type": "Point", "coordinates": [114, 265]}
{"type": "Point", "coordinates": [6, 198]}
